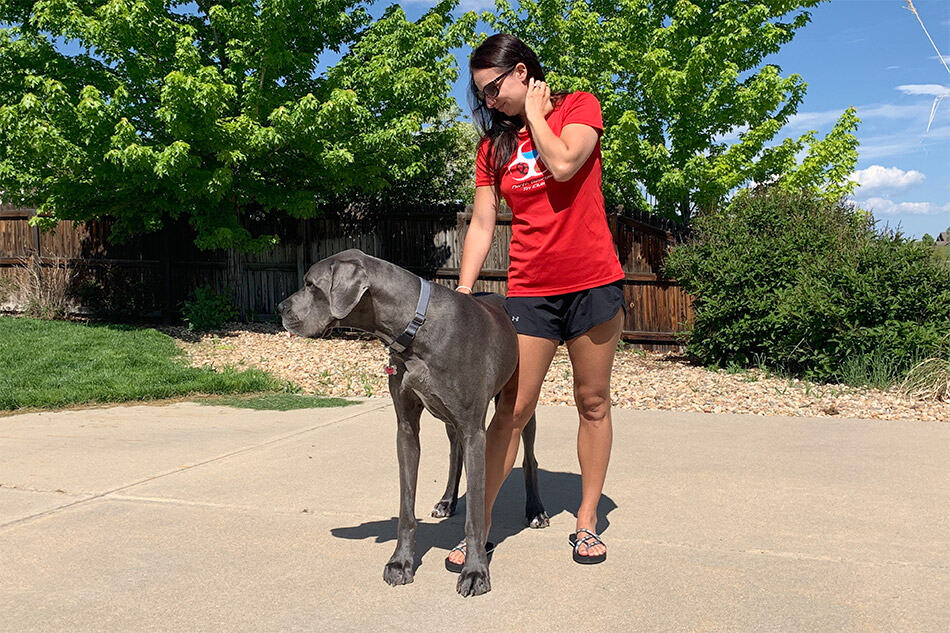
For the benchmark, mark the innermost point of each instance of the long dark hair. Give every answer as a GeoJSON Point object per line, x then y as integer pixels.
{"type": "Point", "coordinates": [498, 129]}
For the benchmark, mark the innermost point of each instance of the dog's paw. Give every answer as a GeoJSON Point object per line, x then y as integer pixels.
{"type": "Point", "coordinates": [443, 509]}
{"type": "Point", "coordinates": [398, 572]}
{"type": "Point", "coordinates": [473, 582]}
{"type": "Point", "coordinates": [538, 519]}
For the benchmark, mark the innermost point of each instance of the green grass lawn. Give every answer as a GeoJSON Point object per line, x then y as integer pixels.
{"type": "Point", "coordinates": [53, 364]}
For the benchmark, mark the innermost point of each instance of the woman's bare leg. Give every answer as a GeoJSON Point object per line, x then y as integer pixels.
{"type": "Point", "coordinates": [515, 407]}
{"type": "Point", "coordinates": [592, 357]}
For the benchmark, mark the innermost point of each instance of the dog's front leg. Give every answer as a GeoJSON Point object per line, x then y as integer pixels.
{"type": "Point", "coordinates": [474, 579]}
{"type": "Point", "coordinates": [399, 570]}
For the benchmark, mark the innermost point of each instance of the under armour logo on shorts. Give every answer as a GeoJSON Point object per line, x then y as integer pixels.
{"type": "Point", "coordinates": [514, 318]}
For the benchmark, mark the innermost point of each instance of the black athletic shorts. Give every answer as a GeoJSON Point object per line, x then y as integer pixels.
{"type": "Point", "coordinates": [567, 316]}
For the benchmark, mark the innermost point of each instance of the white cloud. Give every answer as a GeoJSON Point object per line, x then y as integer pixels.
{"type": "Point", "coordinates": [889, 207]}
{"type": "Point", "coordinates": [812, 120]}
{"type": "Point", "coordinates": [934, 90]}
{"type": "Point", "coordinates": [731, 135]}
{"type": "Point", "coordinates": [880, 177]}
{"type": "Point", "coordinates": [945, 58]}
{"type": "Point", "coordinates": [902, 143]}
{"type": "Point", "coordinates": [872, 147]}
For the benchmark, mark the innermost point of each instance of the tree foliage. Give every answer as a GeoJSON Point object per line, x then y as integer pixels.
{"type": "Point", "coordinates": [218, 114]}
{"type": "Point", "coordinates": [675, 78]}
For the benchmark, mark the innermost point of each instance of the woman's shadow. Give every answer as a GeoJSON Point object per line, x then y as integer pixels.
{"type": "Point", "coordinates": [560, 492]}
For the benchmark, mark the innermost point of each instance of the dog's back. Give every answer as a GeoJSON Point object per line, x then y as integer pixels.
{"type": "Point", "coordinates": [491, 299]}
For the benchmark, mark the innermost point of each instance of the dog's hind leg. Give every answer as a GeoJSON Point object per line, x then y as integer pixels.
{"type": "Point", "coordinates": [399, 570]}
{"type": "Point", "coordinates": [447, 504]}
{"type": "Point", "coordinates": [535, 516]}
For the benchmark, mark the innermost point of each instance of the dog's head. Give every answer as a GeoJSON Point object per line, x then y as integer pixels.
{"type": "Point", "coordinates": [332, 288]}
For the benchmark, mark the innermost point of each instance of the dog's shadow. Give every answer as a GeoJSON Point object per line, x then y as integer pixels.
{"type": "Point", "coordinates": [560, 492]}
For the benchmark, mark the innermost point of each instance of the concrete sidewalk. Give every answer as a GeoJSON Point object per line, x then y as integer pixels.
{"type": "Point", "coordinates": [192, 518]}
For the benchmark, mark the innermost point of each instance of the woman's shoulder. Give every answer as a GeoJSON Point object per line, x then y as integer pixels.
{"type": "Point", "coordinates": [580, 96]}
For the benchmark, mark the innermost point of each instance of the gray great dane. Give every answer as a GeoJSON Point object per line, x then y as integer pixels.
{"type": "Point", "coordinates": [457, 359]}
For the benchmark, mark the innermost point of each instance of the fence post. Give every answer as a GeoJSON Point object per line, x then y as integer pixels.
{"type": "Point", "coordinates": [36, 249]}
{"type": "Point", "coordinates": [167, 307]}
{"type": "Point", "coordinates": [614, 230]}
{"type": "Point", "coordinates": [304, 242]}
{"type": "Point", "coordinates": [36, 241]}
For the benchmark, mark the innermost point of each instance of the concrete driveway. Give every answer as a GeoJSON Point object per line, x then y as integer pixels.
{"type": "Point", "coordinates": [191, 518]}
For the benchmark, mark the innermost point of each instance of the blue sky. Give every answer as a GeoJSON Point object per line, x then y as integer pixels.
{"type": "Point", "coordinates": [874, 55]}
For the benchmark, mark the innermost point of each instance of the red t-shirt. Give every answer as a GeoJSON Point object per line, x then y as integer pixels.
{"type": "Point", "coordinates": [560, 241]}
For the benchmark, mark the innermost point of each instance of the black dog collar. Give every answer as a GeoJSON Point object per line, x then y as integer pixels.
{"type": "Point", "coordinates": [404, 340]}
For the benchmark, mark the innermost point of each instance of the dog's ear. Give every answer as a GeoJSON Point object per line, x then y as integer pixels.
{"type": "Point", "coordinates": [348, 284]}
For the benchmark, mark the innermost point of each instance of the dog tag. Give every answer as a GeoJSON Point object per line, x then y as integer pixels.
{"type": "Point", "coordinates": [390, 370]}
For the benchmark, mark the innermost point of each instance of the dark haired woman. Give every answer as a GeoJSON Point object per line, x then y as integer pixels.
{"type": "Point", "coordinates": [542, 155]}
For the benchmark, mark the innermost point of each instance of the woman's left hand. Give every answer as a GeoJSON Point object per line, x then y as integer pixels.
{"type": "Point", "coordinates": [535, 102]}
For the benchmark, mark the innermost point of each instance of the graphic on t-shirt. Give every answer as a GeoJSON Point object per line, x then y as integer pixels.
{"type": "Point", "coordinates": [525, 164]}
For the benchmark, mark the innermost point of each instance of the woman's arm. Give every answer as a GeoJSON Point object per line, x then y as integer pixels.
{"type": "Point", "coordinates": [479, 237]}
{"type": "Point", "coordinates": [563, 156]}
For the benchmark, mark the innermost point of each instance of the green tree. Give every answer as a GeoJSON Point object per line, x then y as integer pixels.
{"type": "Point", "coordinates": [674, 77]}
{"type": "Point", "coordinates": [218, 115]}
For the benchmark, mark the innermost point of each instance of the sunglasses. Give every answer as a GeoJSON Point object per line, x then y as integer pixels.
{"type": "Point", "coordinates": [491, 89]}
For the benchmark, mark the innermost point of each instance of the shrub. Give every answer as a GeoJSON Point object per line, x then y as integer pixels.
{"type": "Point", "coordinates": [931, 378]}
{"type": "Point", "coordinates": [112, 292]}
{"type": "Point", "coordinates": [7, 285]}
{"type": "Point", "coordinates": [43, 293]}
{"type": "Point", "coordinates": [810, 288]}
{"type": "Point", "coordinates": [207, 310]}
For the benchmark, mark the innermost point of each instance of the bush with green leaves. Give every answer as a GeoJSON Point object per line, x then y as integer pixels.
{"type": "Point", "coordinates": [207, 310]}
{"type": "Point", "coordinates": [811, 288]}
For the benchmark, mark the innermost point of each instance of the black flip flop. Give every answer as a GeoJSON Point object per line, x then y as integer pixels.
{"type": "Point", "coordinates": [456, 568]}
{"type": "Point", "coordinates": [575, 543]}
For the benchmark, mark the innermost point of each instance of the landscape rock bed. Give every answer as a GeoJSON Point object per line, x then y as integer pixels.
{"type": "Point", "coordinates": [353, 365]}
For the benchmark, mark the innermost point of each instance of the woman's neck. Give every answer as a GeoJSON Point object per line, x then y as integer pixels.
{"type": "Point", "coordinates": [548, 108]}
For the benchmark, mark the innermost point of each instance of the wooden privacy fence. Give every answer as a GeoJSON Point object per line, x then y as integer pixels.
{"type": "Point", "coordinates": [151, 275]}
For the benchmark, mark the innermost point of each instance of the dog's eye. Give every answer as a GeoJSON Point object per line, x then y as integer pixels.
{"type": "Point", "coordinates": [309, 284]}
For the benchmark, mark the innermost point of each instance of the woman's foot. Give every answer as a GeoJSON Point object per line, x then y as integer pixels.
{"type": "Point", "coordinates": [460, 549]}
{"type": "Point", "coordinates": [588, 548]}
{"type": "Point", "coordinates": [457, 555]}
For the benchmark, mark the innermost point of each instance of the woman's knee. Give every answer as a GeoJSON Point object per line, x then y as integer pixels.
{"type": "Point", "coordinates": [513, 413]}
{"type": "Point", "coordinates": [593, 406]}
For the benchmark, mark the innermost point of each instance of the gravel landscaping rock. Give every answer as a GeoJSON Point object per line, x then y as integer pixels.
{"type": "Point", "coordinates": [353, 365]}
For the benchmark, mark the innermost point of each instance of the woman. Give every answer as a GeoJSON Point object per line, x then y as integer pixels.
{"type": "Point", "coordinates": [542, 154]}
